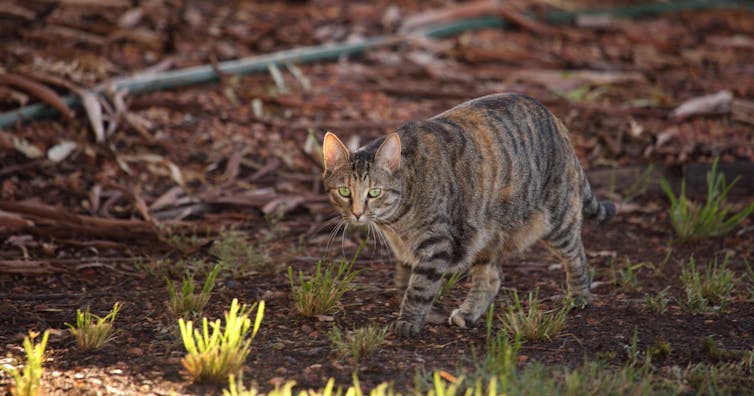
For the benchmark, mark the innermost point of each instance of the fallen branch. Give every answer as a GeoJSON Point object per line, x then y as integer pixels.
{"type": "Point", "coordinates": [38, 90]}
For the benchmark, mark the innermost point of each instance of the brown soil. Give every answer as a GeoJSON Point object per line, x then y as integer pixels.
{"type": "Point", "coordinates": [238, 167]}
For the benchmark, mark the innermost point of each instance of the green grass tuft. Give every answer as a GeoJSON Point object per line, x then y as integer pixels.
{"type": "Point", "coordinates": [320, 293]}
{"type": "Point", "coordinates": [357, 343]}
{"type": "Point", "coordinates": [692, 222]}
{"type": "Point", "coordinates": [92, 331]}
{"type": "Point", "coordinates": [658, 303]}
{"type": "Point", "coordinates": [238, 254]}
{"type": "Point", "coordinates": [710, 291]}
{"type": "Point", "coordinates": [533, 324]}
{"type": "Point", "coordinates": [186, 304]}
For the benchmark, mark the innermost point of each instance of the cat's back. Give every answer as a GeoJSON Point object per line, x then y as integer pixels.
{"type": "Point", "coordinates": [491, 129]}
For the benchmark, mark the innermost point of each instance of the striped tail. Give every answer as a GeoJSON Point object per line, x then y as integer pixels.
{"type": "Point", "coordinates": [599, 211]}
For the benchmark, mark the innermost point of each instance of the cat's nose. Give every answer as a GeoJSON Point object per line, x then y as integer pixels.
{"type": "Point", "coordinates": [357, 215]}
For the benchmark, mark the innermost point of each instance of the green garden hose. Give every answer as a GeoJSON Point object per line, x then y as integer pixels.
{"type": "Point", "coordinates": [303, 55]}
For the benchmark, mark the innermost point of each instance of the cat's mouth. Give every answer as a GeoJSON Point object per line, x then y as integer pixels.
{"type": "Point", "coordinates": [359, 220]}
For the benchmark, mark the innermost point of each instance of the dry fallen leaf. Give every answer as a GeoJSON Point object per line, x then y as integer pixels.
{"type": "Point", "coordinates": [61, 151]}
{"type": "Point", "coordinates": [94, 113]}
{"type": "Point", "coordinates": [26, 148]}
{"type": "Point", "coordinates": [717, 103]}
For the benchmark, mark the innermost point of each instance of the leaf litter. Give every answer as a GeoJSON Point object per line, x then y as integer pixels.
{"type": "Point", "coordinates": [198, 160]}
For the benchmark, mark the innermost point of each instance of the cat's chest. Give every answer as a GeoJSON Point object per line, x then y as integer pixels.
{"type": "Point", "coordinates": [398, 244]}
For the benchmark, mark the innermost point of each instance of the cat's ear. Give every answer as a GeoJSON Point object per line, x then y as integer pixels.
{"type": "Point", "coordinates": [388, 156]}
{"type": "Point", "coordinates": [334, 151]}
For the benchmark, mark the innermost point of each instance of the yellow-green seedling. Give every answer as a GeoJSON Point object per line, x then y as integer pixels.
{"type": "Point", "coordinates": [92, 331]}
{"type": "Point", "coordinates": [27, 382]}
{"type": "Point", "coordinates": [215, 351]}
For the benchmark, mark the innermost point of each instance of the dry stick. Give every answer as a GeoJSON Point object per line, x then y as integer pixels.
{"type": "Point", "coordinates": [53, 296]}
{"type": "Point", "coordinates": [434, 17]}
{"type": "Point", "coordinates": [40, 91]}
{"type": "Point", "coordinates": [539, 28]}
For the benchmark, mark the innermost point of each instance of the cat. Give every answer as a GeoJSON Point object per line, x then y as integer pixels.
{"type": "Point", "coordinates": [488, 177]}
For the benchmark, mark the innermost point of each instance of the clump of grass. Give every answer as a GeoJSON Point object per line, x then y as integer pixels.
{"type": "Point", "coordinates": [710, 291]}
{"type": "Point", "coordinates": [212, 357]}
{"type": "Point", "coordinates": [533, 324]}
{"type": "Point", "coordinates": [447, 284]}
{"type": "Point", "coordinates": [357, 343]}
{"type": "Point", "coordinates": [692, 222]}
{"type": "Point", "coordinates": [178, 239]}
{"type": "Point", "coordinates": [593, 378]}
{"type": "Point", "coordinates": [237, 253]}
{"type": "Point", "coordinates": [237, 388]}
{"type": "Point", "coordinates": [627, 276]}
{"type": "Point", "coordinates": [725, 378]}
{"type": "Point", "coordinates": [92, 331]}
{"type": "Point", "coordinates": [184, 303]}
{"type": "Point", "coordinates": [658, 303]}
{"type": "Point", "coordinates": [750, 276]}
{"type": "Point", "coordinates": [501, 354]}
{"type": "Point", "coordinates": [320, 293]}
{"type": "Point", "coordinates": [638, 187]}
{"type": "Point", "coordinates": [660, 350]}
{"type": "Point", "coordinates": [27, 382]}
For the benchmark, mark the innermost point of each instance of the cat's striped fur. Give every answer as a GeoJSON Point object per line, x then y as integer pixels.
{"type": "Point", "coordinates": [490, 176]}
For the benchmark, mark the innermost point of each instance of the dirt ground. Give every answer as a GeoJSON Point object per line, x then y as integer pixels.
{"type": "Point", "coordinates": [111, 219]}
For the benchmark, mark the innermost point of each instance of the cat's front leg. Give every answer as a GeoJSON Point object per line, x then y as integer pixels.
{"type": "Point", "coordinates": [423, 285]}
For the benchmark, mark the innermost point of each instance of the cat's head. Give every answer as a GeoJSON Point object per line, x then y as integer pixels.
{"type": "Point", "coordinates": [363, 185]}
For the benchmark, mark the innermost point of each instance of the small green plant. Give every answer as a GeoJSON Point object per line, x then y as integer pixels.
{"type": "Point", "coordinates": [633, 351]}
{"type": "Point", "coordinates": [639, 186]}
{"type": "Point", "coordinates": [710, 291]}
{"type": "Point", "coordinates": [593, 378]}
{"type": "Point", "coordinates": [236, 388]}
{"type": "Point", "coordinates": [320, 293]}
{"type": "Point", "coordinates": [533, 324]}
{"type": "Point", "coordinates": [750, 277]}
{"type": "Point", "coordinates": [357, 343]}
{"type": "Point", "coordinates": [28, 381]}
{"type": "Point", "coordinates": [447, 284]}
{"type": "Point", "coordinates": [692, 222]}
{"type": "Point", "coordinates": [501, 353]}
{"type": "Point", "coordinates": [658, 303]}
{"type": "Point", "coordinates": [92, 331]}
{"type": "Point", "coordinates": [660, 350]}
{"type": "Point", "coordinates": [179, 240]}
{"type": "Point", "coordinates": [184, 303]}
{"type": "Point", "coordinates": [235, 252]}
{"type": "Point", "coordinates": [627, 276]}
{"type": "Point", "coordinates": [212, 357]}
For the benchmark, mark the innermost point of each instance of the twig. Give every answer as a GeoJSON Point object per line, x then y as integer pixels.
{"type": "Point", "coordinates": [40, 91]}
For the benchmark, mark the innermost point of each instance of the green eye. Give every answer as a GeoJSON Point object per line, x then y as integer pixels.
{"type": "Point", "coordinates": [375, 192]}
{"type": "Point", "coordinates": [344, 192]}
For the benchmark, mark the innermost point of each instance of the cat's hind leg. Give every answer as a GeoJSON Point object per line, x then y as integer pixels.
{"type": "Point", "coordinates": [485, 283]}
{"type": "Point", "coordinates": [566, 243]}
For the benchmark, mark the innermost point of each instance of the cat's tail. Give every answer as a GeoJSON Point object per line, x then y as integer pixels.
{"type": "Point", "coordinates": [599, 211]}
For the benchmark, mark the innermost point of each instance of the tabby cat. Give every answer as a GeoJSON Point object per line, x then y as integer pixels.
{"type": "Point", "coordinates": [490, 176]}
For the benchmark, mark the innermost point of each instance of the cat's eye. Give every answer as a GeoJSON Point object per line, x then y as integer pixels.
{"type": "Point", "coordinates": [375, 192]}
{"type": "Point", "coordinates": [344, 192]}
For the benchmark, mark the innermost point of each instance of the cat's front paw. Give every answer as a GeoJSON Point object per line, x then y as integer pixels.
{"type": "Point", "coordinates": [460, 318]}
{"type": "Point", "coordinates": [581, 301]}
{"type": "Point", "coordinates": [405, 329]}
{"type": "Point", "coordinates": [574, 301]}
